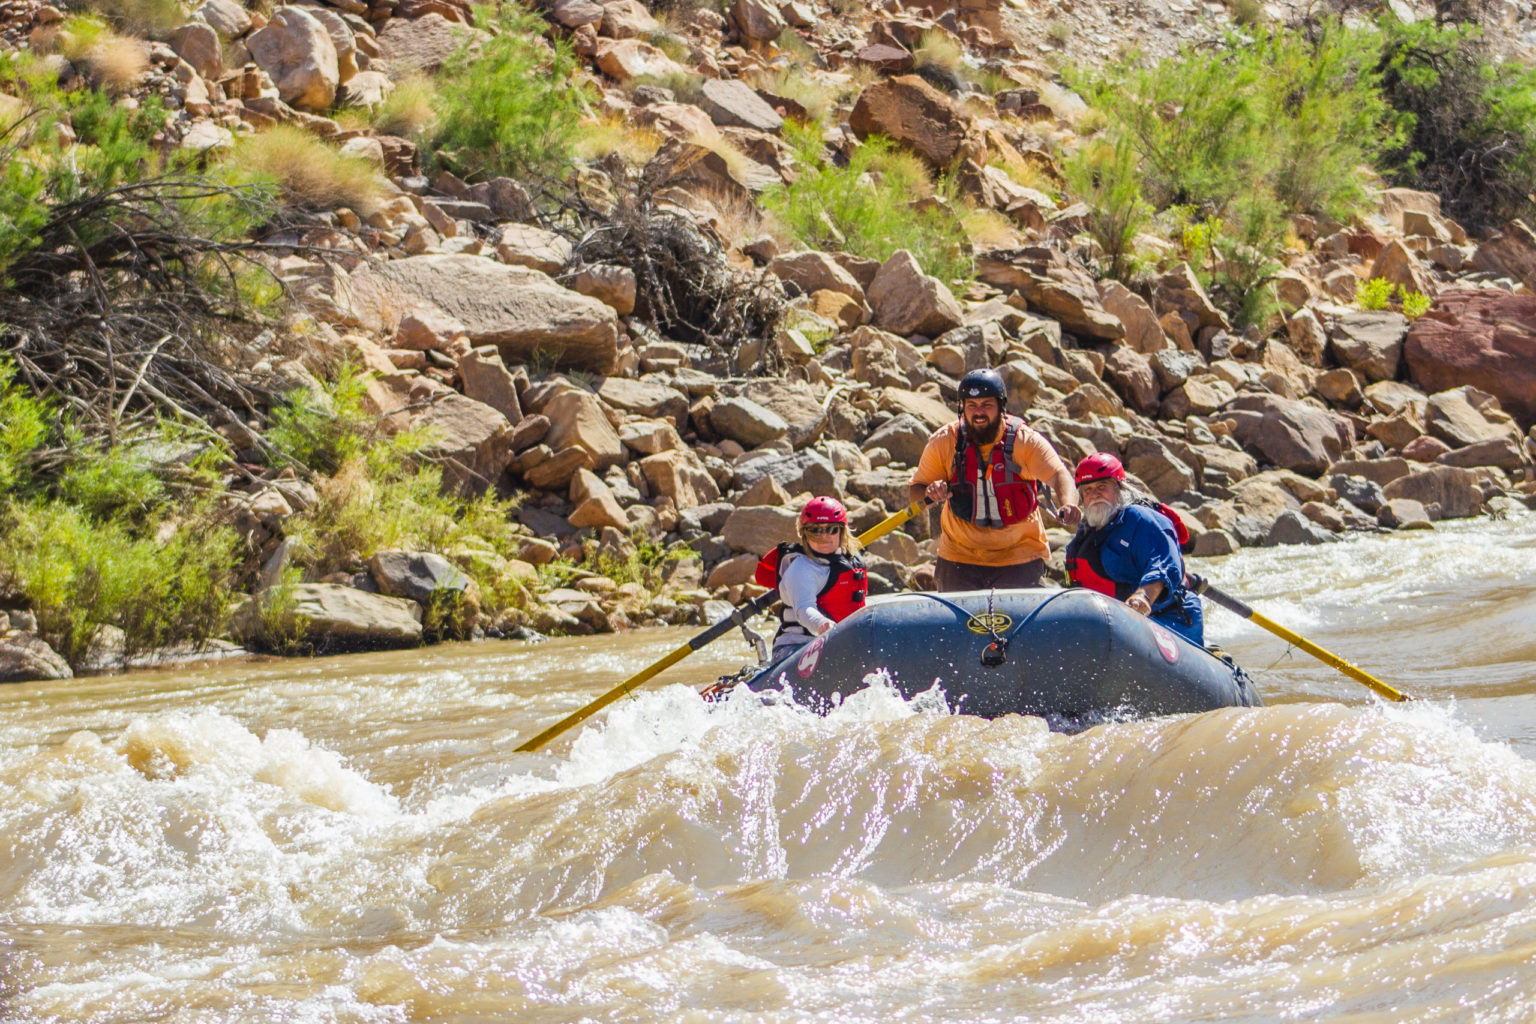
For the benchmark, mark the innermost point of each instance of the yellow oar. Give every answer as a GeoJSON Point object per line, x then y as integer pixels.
{"type": "Point", "coordinates": [719, 629]}
{"type": "Point", "coordinates": [1232, 604]}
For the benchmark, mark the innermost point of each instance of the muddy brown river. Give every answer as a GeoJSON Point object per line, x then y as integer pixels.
{"type": "Point", "coordinates": [354, 839]}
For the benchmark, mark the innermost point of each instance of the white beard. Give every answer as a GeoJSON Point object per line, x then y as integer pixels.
{"type": "Point", "coordinates": [1098, 513]}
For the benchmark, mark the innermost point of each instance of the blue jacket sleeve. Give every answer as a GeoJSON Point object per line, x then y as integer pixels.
{"type": "Point", "coordinates": [1155, 554]}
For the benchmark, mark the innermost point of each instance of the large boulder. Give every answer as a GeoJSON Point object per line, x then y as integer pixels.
{"type": "Point", "coordinates": [792, 401]}
{"type": "Point", "coordinates": [678, 474]}
{"type": "Point", "coordinates": [805, 470]}
{"type": "Point", "coordinates": [420, 576]}
{"type": "Point", "coordinates": [1054, 285]}
{"type": "Point", "coordinates": [1483, 337]}
{"type": "Point", "coordinates": [730, 102]}
{"type": "Point", "coordinates": [1285, 433]}
{"type": "Point", "coordinates": [330, 616]}
{"type": "Point", "coordinates": [1456, 417]}
{"type": "Point", "coordinates": [758, 528]}
{"type": "Point", "coordinates": [1142, 331]}
{"type": "Point", "coordinates": [25, 657]}
{"type": "Point", "coordinates": [1448, 492]}
{"type": "Point", "coordinates": [812, 271]}
{"type": "Point", "coordinates": [521, 311]}
{"type": "Point", "coordinates": [297, 53]}
{"type": "Point", "coordinates": [926, 409]}
{"type": "Point", "coordinates": [919, 117]}
{"type": "Point", "coordinates": [227, 17]}
{"type": "Point", "coordinates": [1369, 342]}
{"type": "Point", "coordinates": [470, 441]}
{"type": "Point", "coordinates": [595, 503]}
{"type": "Point", "coordinates": [757, 20]}
{"type": "Point", "coordinates": [577, 418]}
{"type": "Point", "coordinates": [648, 398]}
{"type": "Point", "coordinates": [626, 59]}
{"type": "Point", "coordinates": [1179, 291]}
{"type": "Point", "coordinates": [907, 301]}
{"type": "Point", "coordinates": [422, 45]}
{"type": "Point", "coordinates": [884, 484]}
{"type": "Point", "coordinates": [1510, 253]}
{"type": "Point", "coordinates": [486, 379]}
{"type": "Point", "coordinates": [745, 422]}
{"type": "Point", "coordinates": [903, 437]}
{"type": "Point", "coordinates": [1153, 462]}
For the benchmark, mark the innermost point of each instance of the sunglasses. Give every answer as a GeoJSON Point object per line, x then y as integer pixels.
{"type": "Point", "coordinates": [823, 531]}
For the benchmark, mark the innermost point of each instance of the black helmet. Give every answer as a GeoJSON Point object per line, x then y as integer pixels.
{"type": "Point", "coordinates": [984, 384]}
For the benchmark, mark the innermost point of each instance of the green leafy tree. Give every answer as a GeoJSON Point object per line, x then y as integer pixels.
{"type": "Point", "coordinates": [1471, 121]}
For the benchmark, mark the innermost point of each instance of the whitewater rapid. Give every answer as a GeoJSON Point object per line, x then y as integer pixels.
{"type": "Point", "coordinates": [355, 839]}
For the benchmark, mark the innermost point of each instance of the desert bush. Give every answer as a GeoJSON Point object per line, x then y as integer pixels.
{"type": "Point", "coordinates": [1471, 134]}
{"type": "Point", "coordinates": [686, 288]}
{"type": "Point", "coordinates": [792, 81]}
{"type": "Point", "coordinates": [510, 108]}
{"type": "Point", "coordinates": [872, 207]}
{"type": "Point", "coordinates": [94, 537]}
{"type": "Point", "coordinates": [117, 273]}
{"type": "Point", "coordinates": [319, 432]}
{"type": "Point", "coordinates": [1105, 175]}
{"type": "Point", "coordinates": [1292, 114]}
{"type": "Point", "coordinates": [78, 573]}
{"type": "Point", "coordinates": [632, 143]}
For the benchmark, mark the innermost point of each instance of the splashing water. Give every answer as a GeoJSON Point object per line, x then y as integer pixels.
{"type": "Point", "coordinates": [354, 839]}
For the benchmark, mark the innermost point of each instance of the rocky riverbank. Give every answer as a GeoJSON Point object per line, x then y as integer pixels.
{"type": "Point", "coordinates": [530, 357]}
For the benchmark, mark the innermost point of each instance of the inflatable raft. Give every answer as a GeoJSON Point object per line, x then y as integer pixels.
{"type": "Point", "coordinates": [1073, 657]}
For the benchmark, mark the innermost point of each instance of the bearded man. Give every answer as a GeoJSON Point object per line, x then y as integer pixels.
{"type": "Point", "coordinates": [987, 467]}
{"type": "Point", "coordinates": [1128, 548]}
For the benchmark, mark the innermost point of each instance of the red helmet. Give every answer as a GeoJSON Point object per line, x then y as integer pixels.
{"type": "Point", "coordinates": [824, 510]}
{"type": "Point", "coordinates": [1098, 466]}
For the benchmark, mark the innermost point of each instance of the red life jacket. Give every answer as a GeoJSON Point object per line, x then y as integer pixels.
{"type": "Point", "coordinates": [1015, 496]}
{"type": "Point", "coordinates": [1085, 555]}
{"type": "Point", "coordinates": [842, 594]}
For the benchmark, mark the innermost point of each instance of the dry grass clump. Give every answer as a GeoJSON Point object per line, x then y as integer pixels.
{"type": "Point", "coordinates": [408, 108]}
{"type": "Point", "coordinates": [114, 62]}
{"type": "Point", "coordinates": [793, 83]}
{"type": "Point", "coordinates": [632, 143]}
{"type": "Point", "coordinates": [311, 173]}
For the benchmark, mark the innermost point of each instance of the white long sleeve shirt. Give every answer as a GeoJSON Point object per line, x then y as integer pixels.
{"type": "Point", "coordinates": [800, 580]}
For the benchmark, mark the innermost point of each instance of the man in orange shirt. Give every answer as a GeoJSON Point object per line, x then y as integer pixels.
{"type": "Point", "coordinates": [988, 465]}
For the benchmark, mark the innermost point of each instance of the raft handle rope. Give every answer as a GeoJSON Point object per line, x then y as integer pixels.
{"type": "Point", "coordinates": [999, 640]}
{"type": "Point", "coordinates": [996, 652]}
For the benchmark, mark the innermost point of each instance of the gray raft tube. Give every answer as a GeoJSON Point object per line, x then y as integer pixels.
{"type": "Point", "coordinates": [1073, 657]}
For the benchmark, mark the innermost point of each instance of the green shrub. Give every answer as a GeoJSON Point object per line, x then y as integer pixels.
{"type": "Point", "coordinates": [1277, 111]}
{"type": "Point", "coordinates": [1373, 294]}
{"type": "Point", "coordinates": [24, 424]}
{"type": "Point", "coordinates": [1414, 303]}
{"type": "Point", "coordinates": [882, 201]}
{"type": "Point", "coordinates": [1471, 121]}
{"type": "Point", "coordinates": [78, 573]}
{"type": "Point", "coordinates": [511, 108]}
{"type": "Point", "coordinates": [321, 432]}
{"type": "Point", "coordinates": [646, 562]}
{"type": "Point", "coordinates": [1105, 175]}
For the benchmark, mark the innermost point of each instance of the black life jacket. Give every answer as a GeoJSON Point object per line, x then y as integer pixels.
{"type": "Point", "coordinates": [842, 595]}
{"type": "Point", "coordinates": [1085, 555]}
{"type": "Point", "coordinates": [1015, 497]}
